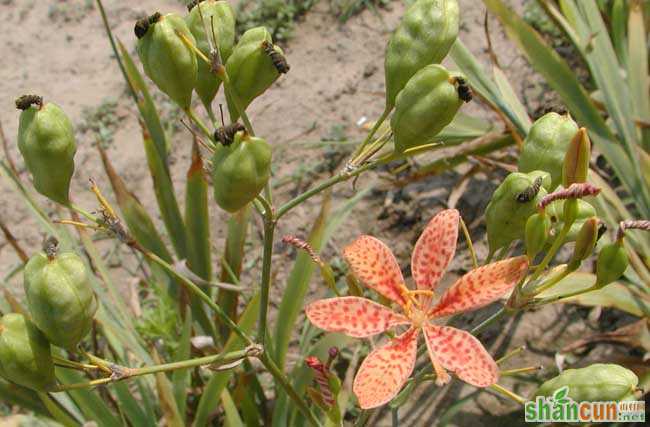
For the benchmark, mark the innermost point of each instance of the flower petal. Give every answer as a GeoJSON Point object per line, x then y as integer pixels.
{"type": "Point", "coordinates": [374, 264]}
{"type": "Point", "coordinates": [384, 372]}
{"type": "Point", "coordinates": [353, 316]}
{"type": "Point", "coordinates": [461, 353]}
{"type": "Point", "coordinates": [434, 249]}
{"type": "Point", "coordinates": [481, 286]}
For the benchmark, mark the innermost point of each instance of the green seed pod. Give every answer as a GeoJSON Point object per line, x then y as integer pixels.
{"type": "Point", "coordinates": [537, 232]}
{"type": "Point", "coordinates": [556, 211]}
{"type": "Point", "coordinates": [546, 145]}
{"type": "Point", "coordinates": [240, 171]}
{"type": "Point", "coordinates": [60, 297]}
{"type": "Point", "coordinates": [424, 36]}
{"type": "Point", "coordinates": [250, 68]}
{"type": "Point", "coordinates": [47, 144]}
{"type": "Point", "coordinates": [611, 264]}
{"type": "Point", "coordinates": [427, 104]}
{"type": "Point", "coordinates": [585, 242]}
{"type": "Point", "coordinates": [512, 203]}
{"type": "Point", "coordinates": [595, 383]}
{"type": "Point", "coordinates": [25, 357]}
{"type": "Point", "coordinates": [576, 160]}
{"type": "Point", "coordinates": [221, 14]}
{"type": "Point", "coordinates": [166, 59]}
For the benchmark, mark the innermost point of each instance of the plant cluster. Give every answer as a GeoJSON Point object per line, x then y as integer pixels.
{"type": "Point", "coordinates": [552, 202]}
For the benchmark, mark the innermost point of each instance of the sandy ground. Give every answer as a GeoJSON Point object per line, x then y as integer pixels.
{"type": "Point", "coordinates": [58, 49]}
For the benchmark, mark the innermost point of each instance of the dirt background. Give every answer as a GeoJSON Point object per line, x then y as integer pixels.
{"type": "Point", "coordinates": [58, 49]}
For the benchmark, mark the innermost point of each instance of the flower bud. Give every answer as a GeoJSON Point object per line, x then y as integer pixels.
{"type": "Point", "coordinates": [511, 205]}
{"type": "Point", "coordinates": [47, 144]}
{"type": "Point", "coordinates": [220, 16]}
{"type": "Point", "coordinates": [611, 264]}
{"type": "Point", "coordinates": [250, 68]}
{"type": "Point", "coordinates": [585, 242]}
{"type": "Point", "coordinates": [25, 357]}
{"type": "Point", "coordinates": [576, 160]}
{"type": "Point", "coordinates": [537, 231]}
{"type": "Point", "coordinates": [240, 171]}
{"type": "Point", "coordinates": [546, 146]}
{"type": "Point", "coordinates": [424, 36]}
{"type": "Point", "coordinates": [166, 59]}
{"type": "Point", "coordinates": [427, 104]}
{"type": "Point", "coordinates": [595, 383]}
{"type": "Point", "coordinates": [60, 297]}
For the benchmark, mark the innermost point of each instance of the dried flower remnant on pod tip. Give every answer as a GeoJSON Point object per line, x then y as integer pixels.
{"type": "Point", "coordinates": [386, 369]}
{"type": "Point", "coordinates": [142, 25]}
{"type": "Point", "coordinates": [26, 101]}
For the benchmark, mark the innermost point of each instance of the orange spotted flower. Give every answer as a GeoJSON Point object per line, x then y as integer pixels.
{"type": "Point", "coordinates": [386, 369]}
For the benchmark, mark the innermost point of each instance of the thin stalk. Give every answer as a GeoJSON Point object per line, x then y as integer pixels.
{"type": "Point", "coordinates": [507, 393]}
{"type": "Point", "coordinates": [198, 122]}
{"type": "Point", "coordinates": [510, 355]}
{"type": "Point", "coordinates": [84, 213]}
{"type": "Point", "coordinates": [269, 231]}
{"type": "Point", "coordinates": [557, 244]}
{"type": "Point", "coordinates": [470, 246]}
{"type": "Point", "coordinates": [65, 363]}
{"type": "Point", "coordinates": [541, 287]}
{"type": "Point", "coordinates": [487, 322]}
{"type": "Point", "coordinates": [372, 132]}
{"type": "Point", "coordinates": [516, 371]}
{"type": "Point", "coordinates": [273, 369]}
{"type": "Point", "coordinates": [551, 300]}
{"type": "Point", "coordinates": [123, 373]}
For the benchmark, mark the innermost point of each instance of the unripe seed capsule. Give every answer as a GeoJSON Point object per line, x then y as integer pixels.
{"type": "Point", "coordinates": [424, 36]}
{"type": "Point", "coordinates": [546, 146]}
{"type": "Point", "coordinates": [537, 231]}
{"type": "Point", "coordinates": [585, 242]}
{"type": "Point", "coordinates": [60, 297]}
{"type": "Point", "coordinates": [611, 264]}
{"type": "Point", "coordinates": [25, 357]}
{"type": "Point", "coordinates": [596, 383]}
{"type": "Point", "coordinates": [250, 68]}
{"type": "Point", "coordinates": [166, 59]}
{"type": "Point", "coordinates": [427, 104]}
{"type": "Point", "coordinates": [47, 144]}
{"type": "Point", "coordinates": [240, 171]}
{"type": "Point", "coordinates": [506, 214]}
{"type": "Point", "coordinates": [220, 16]}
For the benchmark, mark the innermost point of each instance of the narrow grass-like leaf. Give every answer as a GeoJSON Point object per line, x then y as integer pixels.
{"type": "Point", "coordinates": [637, 70]}
{"type": "Point", "coordinates": [482, 84]}
{"type": "Point", "coordinates": [166, 398]}
{"type": "Point", "coordinates": [181, 377]}
{"type": "Point", "coordinates": [57, 412]}
{"type": "Point", "coordinates": [22, 397]}
{"type": "Point", "coordinates": [197, 219]}
{"type": "Point", "coordinates": [131, 407]}
{"type": "Point", "coordinates": [88, 401]}
{"type": "Point", "coordinates": [230, 410]}
{"type": "Point", "coordinates": [217, 383]}
{"type": "Point", "coordinates": [509, 97]}
{"type": "Point", "coordinates": [619, 15]}
{"type": "Point", "coordinates": [232, 261]}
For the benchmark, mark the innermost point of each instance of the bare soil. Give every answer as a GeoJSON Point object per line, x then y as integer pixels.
{"type": "Point", "coordinates": [58, 49]}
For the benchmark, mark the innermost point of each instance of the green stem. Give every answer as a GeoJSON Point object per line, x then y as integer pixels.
{"type": "Point", "coordinates": [551, 300]}
{"type": "Point", "coordinates": [541, 287]}
{"type": "Point", "coordinates": [83, 212]}
{"type": "Point", "coordinates": [269, 231]}
{"type": "Point", "coordinates": [517, 371]}
{"type": "Point", "coordinates": [507, 393]}
{"type": "Point", "coordinates": [270, 366]}
{"type": "Point", "coordinates": [557, 244]}
{"type": "Point", "coordinates": [234, 97]}
{"type": "Point", "coordinates": [198, 292]}
{"type": "Point", "coordinates": [469, 243]}
{"type": "Point", "coordinates": [198, 122]}
{"type": "Point", "coordinates": [372, 132]}
{"type": "Point", "coordinates": [122, 373]}
{"type": "Point", "coordinates": [490, 320]}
